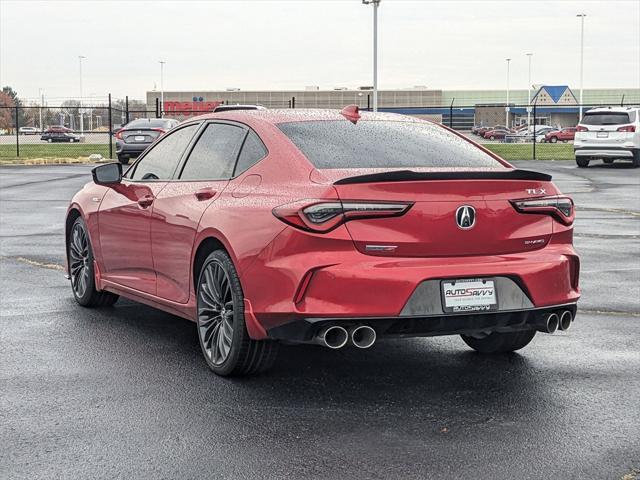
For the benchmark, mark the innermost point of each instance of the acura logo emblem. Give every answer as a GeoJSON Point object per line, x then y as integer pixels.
{"type": "Point", "coordinates": [466, 217]}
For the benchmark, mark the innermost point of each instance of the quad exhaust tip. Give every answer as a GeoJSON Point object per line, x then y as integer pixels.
{"type": "Point", "coordinates": [552, 322]}
{"type": "Point", "coordinates": [333, 337]}
{"type": "Point", "coordinates": [363, 336]}
{"type": "Point", "coordinates": [566, 319]}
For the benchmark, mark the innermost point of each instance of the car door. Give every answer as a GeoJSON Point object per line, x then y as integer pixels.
{"type": "Point", "coordinates": [178, 208]}
{"type": "Point", "coordinates": [124, 216]}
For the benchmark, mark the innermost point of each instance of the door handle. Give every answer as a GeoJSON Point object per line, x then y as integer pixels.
{"type": "Point", "coordinates": [205, 193]}
{"type": "Point", "coordinates": [145, 201]}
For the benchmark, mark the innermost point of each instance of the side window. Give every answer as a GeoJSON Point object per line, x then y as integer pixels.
{"type": "Point", "coordinates": [161, 161]}
{"type": "Point", "coordinates": [215, 153]}
{"type": "Point", "coordinates": [253, 151]}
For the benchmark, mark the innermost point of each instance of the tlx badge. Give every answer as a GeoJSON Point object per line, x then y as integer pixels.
{"type": "Point", "coordinates": [536, 191]}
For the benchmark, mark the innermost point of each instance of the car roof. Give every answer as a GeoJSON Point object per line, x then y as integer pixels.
{"type": "Point", "coordinates": [302, 115]}
{"type": "Point", "coordinates": [612, 109]}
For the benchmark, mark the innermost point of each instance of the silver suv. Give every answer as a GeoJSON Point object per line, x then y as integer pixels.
{"type": "Point", "coordinates": [608, 133]}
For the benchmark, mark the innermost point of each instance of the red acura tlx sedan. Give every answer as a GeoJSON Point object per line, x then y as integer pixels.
{"type": "Point", "coordinates": [328, 227]}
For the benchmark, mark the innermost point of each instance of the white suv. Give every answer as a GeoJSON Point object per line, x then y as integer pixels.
{"type": "Point", "coordinates": [608, 133]}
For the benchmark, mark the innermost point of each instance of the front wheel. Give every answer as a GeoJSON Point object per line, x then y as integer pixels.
{"type": "Point", "coordinates": [497, 342]}
{"type": "Point", "coordinates": [81, 271]}
{"type": "Point", "coordinates": [582, 162]}
{"type": "Point", "coordinates": [225, 342]}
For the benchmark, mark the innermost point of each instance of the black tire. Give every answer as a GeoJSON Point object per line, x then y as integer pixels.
{"type": "Point", "coordinates": [607, 160]}
{"type": "Point", "coordinates": [553, 140]}
{"type": "Point", "coordinates": [636, 159]}
{"type": "Point", "coordinates": [582, 162]}
{"type": "Point", "coordinates": [500, 342]}
{"type": "Point", "coordinates": [81, 271]}
{"type": "Point", "coordinates": [243, 355]}
{"type": "Point", "coordinates": [123, 160]}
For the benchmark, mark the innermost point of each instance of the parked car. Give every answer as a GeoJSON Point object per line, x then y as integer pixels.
{"type": "Point", "coordinates": [482, 130]}
{"type": "Point", "coordinates": [52, 137]}
{"type": "Point", "coordinates": [496, 134]}
{"type": "Point", "coordinates": [28, 130]}
{"type": "Point", "coordinates": [608, 133]}
{"type": "Point", "coordinates": [475, 129]}
{"type": "Point", "coordinates": [563, 135]}
{"type": "Point", "coordinates": [137, 135]}
{"type": "Point", "coordinates": [268, 227]}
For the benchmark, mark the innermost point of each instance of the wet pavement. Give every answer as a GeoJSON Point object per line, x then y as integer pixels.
{"type": "Point", "coordinates": [123, 392]}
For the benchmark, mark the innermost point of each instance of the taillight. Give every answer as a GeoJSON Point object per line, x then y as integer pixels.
{"type": "Point", "coordinates": [323, 216]}
{"type": "Point", "coordinates": [560, 208]}
{"type": "Point", "coordinates": [119, 134]}
{"type": "Point", "coordinates": [580, 128]}
{"type": "Point", "coordinates": [627, 128]}
{"type": "Point", "coordinates": [159, 130]}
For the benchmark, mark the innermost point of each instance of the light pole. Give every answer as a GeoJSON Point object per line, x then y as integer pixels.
{"type": "Point", "coordinates": [507, 107]}
{"type": "Point", "coordinates": [162, 62]}
{"type": "Point", "coordinates": [80, 58]}
{"type": "Point", "coordinates": [376, 4]}
{"type": "Point", "coordinates": [41, 95]}
{"type": "Point", "coordinates": [581, 16]}
{"type": "Point", "coordinates": [529, 93]}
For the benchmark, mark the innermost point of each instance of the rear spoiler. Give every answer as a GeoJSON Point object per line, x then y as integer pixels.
{"type": "Point", "coordinates": [408, 176]}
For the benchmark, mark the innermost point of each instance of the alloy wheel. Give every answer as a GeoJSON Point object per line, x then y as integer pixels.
{"type": "Point", "coordinates": [79, 260]}
{"type": "Point", "coordinates": [215, 312]}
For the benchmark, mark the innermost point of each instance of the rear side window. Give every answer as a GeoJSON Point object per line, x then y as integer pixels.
{"type": "Point", "coordinates": [605, 118]}
{"type": "Point", "coordinates": [253, 151]}
{"type": "Point", "coordinates": [214, 155]}
{"type": "Point", "coordinates": [161, 161]}
{"type": "Point", "coordinates": [383, 144]}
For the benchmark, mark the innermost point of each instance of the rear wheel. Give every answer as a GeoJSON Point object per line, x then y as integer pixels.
{"type": "Point", "coordinates": [582, 162]}
{"type": "Point", "coordinates": [81, 271]}
{"type": "Point", "coordinates": [223, 335]}
{"type": "Point", "coordinates": [553, 139]}
{"type": "Point", "coordinates": [500, 342]}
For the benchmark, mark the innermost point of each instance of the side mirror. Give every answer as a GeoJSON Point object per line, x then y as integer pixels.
{"type": "Point", "coordinates": [107, 174]}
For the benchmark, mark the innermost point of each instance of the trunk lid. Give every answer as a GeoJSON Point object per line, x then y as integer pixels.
{"type": "Point", "coordinates": [430, 227]}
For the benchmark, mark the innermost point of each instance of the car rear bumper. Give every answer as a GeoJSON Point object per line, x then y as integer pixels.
{"type": "Point", "coordinates": [305, 329]}
{"type": "Point", "coordinates": [131, 149]}
{"type": "Point", "coordinates": [336, 284]}
{"type": "Point", "coordinates": [605, 152]}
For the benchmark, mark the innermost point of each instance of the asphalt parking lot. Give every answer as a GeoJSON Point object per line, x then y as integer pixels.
{"type": "Point", "coordinates": [124, 393]}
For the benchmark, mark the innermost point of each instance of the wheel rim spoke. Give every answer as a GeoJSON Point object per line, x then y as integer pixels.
{"type": "Point", "coordinates": [79, 260]}
{"type": "Point", "coordinates": [215, 312]}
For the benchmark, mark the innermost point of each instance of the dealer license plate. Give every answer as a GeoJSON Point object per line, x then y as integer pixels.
{"type": "Point", "coordinates": [469, 295]}
{"type": "Point", "coordinates": [139, 138]}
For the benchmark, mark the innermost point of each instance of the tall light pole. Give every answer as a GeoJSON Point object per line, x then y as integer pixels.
{"type": "Point", "coordinates": [507, 107]}
{"type": "Point", "coordinates": [376, 4]}
{"type": "Point", "coordinates": [529, 93]}
{"type": "Point", "coordinates": [581, 16]}
{"type": "Point", "coordinates": [162, 62]}
{"type": "Point", "coordinates": [80, 58]}
{"type": "Point", "coordinates": [41, 95]}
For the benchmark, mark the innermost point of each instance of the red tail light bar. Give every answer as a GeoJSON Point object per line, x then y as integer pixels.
{"type": "Point", "coordinates": [580, 128]}
{"type": "Point", "coordinates": [322, 216]}
{"type": "Point", "coordinates": [627, 128]}
{"type": "Point", "coordinates": [561, 208]}
{"type": "Point", "coordinates": [119, 134]}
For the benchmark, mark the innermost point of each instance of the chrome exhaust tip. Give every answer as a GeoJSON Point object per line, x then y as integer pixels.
{"type": "Point", "coordinates": [333, 337]}
{"type": "Point", "coordinates": [552, 323]}
{"type": "Point", "coordinates": [566, 319]}
{"type": "Point", "coordinates": [363, 336]}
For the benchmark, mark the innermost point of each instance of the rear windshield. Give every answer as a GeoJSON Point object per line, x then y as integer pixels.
{"type": "Point", "coordinates": [148, 123]}
{"type": "Point", "coordinates": [605, 118]}
{"type": "Point", "coordinates": [383, 144]}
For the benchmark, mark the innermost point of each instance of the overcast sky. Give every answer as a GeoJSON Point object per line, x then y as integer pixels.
{"type": "Point", "coordinates": [287, 44]}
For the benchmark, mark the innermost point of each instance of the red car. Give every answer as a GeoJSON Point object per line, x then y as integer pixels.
{"type": "Point", "coordinates": [564, 135]}
{"type": "Point", "coordinates": [326, 227]}
{"type": "Point", "coordinates": [496, 134]}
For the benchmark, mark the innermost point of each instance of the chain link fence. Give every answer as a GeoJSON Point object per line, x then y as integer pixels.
{"type": "Point", "coordinates": [73, 130]}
